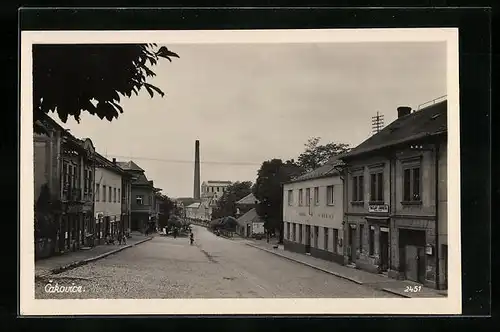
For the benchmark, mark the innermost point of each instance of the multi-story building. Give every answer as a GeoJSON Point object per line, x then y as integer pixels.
{"type": "Point", "coordinates": [214, 188]}
{"type": "Point", "coordinates": [65, 166]}
{"type": "Point", "coordinates": [108, 198]}
{"type": "Point", "coordinates": [313, 212]}
{"type": "Point", "coordinates": [142, 194]}
{"type": "Point", "coordinates": [126, 202]}
{"type": "Point", "coordinates": [396, 198]}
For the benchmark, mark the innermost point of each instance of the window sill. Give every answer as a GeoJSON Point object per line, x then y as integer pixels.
{"type": "Point", "coordinates": [330, 204]}
{"type": "Point", "coordinates": [359, 203]}
{"type": "Point", "coordinates": [411, 203]}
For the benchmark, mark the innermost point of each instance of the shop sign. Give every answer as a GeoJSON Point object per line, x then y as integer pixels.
{"type": "Point", "coordinates": [384, 229]}
{"type": "Point", "coordinates": [378, 208]}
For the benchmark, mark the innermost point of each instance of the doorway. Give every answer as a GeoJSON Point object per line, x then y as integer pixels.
{"type": "Point", "coordinates": [308, 239]}
{"type": "Point", "coordinates": [384, 249]}
{"type": "Point", "coordinates": [351, 238]}
{"type": "Point", "coordinates": [249, 230]}
{"type": "Point", "coordinates": [412, 251]}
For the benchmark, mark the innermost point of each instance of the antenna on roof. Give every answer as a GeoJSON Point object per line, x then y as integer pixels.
{"type": "Point", "coordinates": [377, 123]}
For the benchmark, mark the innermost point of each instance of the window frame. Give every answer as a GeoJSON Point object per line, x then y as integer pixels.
{"type": "Point", "coordinates": [308, 196]}
{"type": "Point", "coordinates": [371, 240]}
{"type": "Point", "coordinates": [330, 202]}
{"type": "Point", "coordinates": [290, 197]}
{"type": "Point", "coordinates": [141, 198]}
{"type": "Point", "coordinates": [97, 192]}
{"type": "Point", "coordinates": [377, 188]}
{"type": "Point", "coordinates": [301, 197]}
{"type": "Point", "coordinates": [410, 166]}
{"type": "Point", "coordinates": [105, 192]}
{"type": "Point", "coordinates": [358, 188]}
{"type": "Point", "coordinates": [335, 238]}
{"type": "Point", "coordinates": [326, 230]}
{"type": "Point", "coordinates": [316, 195]}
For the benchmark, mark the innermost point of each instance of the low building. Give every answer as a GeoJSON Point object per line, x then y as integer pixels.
{"type": "Point", "coordinates": [396, 188]}
{"type": "Point", "coordinates": [250, 224]}
{"type": "Point", "coordinates": [199, 211]}
{"type": "Point", "coordinates": [313, 213]}
{"type": "Point", "coordinates": [246, 204]}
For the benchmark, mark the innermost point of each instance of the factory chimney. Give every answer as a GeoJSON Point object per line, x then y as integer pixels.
{"type": "Point", "coordinates": [196, 193]}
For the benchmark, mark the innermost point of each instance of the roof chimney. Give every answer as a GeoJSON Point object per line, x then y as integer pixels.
{"type": "Point", "coordinates": [114, 161]}
{"type": "Point", "coordinates": [403, 110]}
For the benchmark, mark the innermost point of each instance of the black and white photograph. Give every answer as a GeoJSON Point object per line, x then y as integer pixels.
{"type": "Point", "coordinates": [256, 171]}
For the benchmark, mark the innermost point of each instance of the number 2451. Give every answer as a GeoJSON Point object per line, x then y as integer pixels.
{"type": "Point", "coordinates": [413, 289]}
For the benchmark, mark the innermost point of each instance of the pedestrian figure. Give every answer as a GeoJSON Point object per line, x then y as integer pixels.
{"type": "Point", "coordinates": [191, 238]}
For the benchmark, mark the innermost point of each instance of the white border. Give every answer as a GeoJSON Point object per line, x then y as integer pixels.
{"type": "Point", "coordinates": [449, 305]}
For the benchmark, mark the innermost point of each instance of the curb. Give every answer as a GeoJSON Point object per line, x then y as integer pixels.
{"type": "Point", "coordinates": [327, 271]}
{"type": "Point", "coordinates": [89, 260]}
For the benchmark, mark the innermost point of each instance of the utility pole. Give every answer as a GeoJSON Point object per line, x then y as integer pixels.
{"type": "Point", "coordinates": [377, 123]}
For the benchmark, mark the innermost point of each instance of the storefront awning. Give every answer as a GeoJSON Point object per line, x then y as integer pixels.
{"type": "Point", "coordinates": [378, 219]}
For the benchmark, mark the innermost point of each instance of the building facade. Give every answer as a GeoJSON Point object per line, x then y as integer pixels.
{"type": "Point", "coordinates": [214, 188]}
{"type": "Point", "coordinates": [313, 213]}
{"type": "Point", "coordinates": [108, 198]}
{"type": "Point", "coordinates": [142, 206]}
{"type": "Point", "coordinates": [395, 212]}
{"type": "Point", "coordinates": [64, 165]}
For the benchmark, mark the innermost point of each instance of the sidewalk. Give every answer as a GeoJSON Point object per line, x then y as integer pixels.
{"type": "Point", "coordinates": [57, 264]}
{"type": "Point", "coordinates": [376, 281]}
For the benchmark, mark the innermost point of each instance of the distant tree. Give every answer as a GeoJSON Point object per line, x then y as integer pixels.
{"type": "Point", "coordinates": [268, 190]}
{"type": "Point", "coordinates": [316, 155]}
{"type": "Point", "coordinates": [167, 207]}
{"type": "Point", "coordinates": [226, 206]}
{"type": "Point", "coordinates": [71, 79]}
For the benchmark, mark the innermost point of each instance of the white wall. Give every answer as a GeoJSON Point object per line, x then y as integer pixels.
{"type": "Point", "coordinates": [105, 177]}
{"type": "Point", "coordinates": [320, 214]}
{"type": "Point", "coordinates": [258, 228]}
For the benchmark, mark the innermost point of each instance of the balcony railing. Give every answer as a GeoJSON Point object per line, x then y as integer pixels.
{"type": "Point", "coordinates": [72, 194]}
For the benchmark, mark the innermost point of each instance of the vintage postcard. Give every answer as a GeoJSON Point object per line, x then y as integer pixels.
{"type": "Point", "coordinates": [240, 172]}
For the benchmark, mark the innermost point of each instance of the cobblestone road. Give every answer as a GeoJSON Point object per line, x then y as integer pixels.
{"type": "Point", "coordinates": [214, 267]}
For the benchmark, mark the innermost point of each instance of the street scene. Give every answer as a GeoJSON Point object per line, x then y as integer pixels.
{"type": "Point", "coordinates": [214, 267]}
{"type": "Point", "coordinates": [240, 170]}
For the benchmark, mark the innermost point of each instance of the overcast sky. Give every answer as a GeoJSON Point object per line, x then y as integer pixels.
{"type": "Point", "coordinates": [248, 103]}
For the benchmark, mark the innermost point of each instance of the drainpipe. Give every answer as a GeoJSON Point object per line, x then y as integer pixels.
{"type": "Point", "coordinates": [391, 182]}
{"type": "Point", "coordinates": [436, 226]}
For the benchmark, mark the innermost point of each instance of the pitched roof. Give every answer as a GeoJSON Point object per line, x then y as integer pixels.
{"type": "Point", "coordinates": [194, 205]}
{"type": "Point", "coordinates": [129, 166]}
{"type": "Point", "coordinates": [249, 217]}
{"type": "Point", "coordinates": [429, 121]}
{"type": "Point", "coordinates": [248, 199]}
{"type": "Point", "coordinates": [328, 169]}
{"type": "Point", "coordinates": [141, 179]}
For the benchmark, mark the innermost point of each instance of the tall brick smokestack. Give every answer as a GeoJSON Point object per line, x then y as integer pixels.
{"type": "Point", "coordinates": [196, 192]}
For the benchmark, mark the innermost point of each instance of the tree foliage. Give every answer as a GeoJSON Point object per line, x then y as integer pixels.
{"type": "Point", "coordinates": [269, 191]}
{"type": "Point", "coordinates": [316, 155]}
{"type": "Point", "coordinates": [226, 206]}
{"type": "Point", "coordinates": [71, 79]}
{"type": "Point", "coordinates": [167, 209]}
{"type": "Point", "coordinates": [45, 220]}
